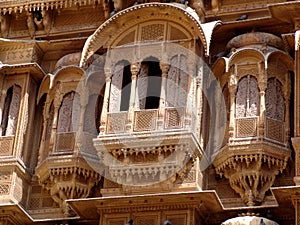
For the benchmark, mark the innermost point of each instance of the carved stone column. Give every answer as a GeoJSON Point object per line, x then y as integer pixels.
{"type": "Point", "coordinates": [199, 104]}
{"type": "Point", "coordinates": [296, 139]}
{"type": "Point", "coordinates": [262, 84]}
{"type": "Point", "coordinates": [296, 145]}
{"type": "Point", "coordinates": [103, 120]}
{"type": "Point", "coordinates": [232, 86]}
{"type": "Point", "coordinates": [162, 101]}
{"type": "Point", "coordinates": [134, 68]}
{"type": "Point", "coordinates": [84, 98]}
{"type": "Point", "coordinates": [287, 97]}
{"type": "Point", "coordinates": [297, 82]}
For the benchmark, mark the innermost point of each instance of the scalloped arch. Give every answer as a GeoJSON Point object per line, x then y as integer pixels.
{"type": "Point", "coordinates": [283, 57]}
{"type": "Point", "coordinates": [246, 52]}
{"type": "Point", "coordinates": [72, 71]}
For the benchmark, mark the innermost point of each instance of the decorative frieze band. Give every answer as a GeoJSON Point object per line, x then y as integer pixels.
{"type": "Point", "coordinates": [20, 6]}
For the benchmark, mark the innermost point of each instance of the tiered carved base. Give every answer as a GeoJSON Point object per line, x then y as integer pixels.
{"type": "Point", "coordinates": [67, 177]}
{"type": "Point", "coordinates": [146, 164]}
{"type": "Point", "coordinates": [251, 171]}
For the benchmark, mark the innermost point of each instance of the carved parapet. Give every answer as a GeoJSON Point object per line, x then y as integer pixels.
{"type": "Point", "coordinates": [251, 171]}
{"type": "Point", "coordinates": [6, 145]}
{"type": "Point", "coordinates": [67, 178]}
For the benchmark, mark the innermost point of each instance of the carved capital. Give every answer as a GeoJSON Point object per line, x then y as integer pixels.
{"type": "Point", "coordinates": [108, 73]}
{"type": "Point", "coordinates": [164, 69]}
{"type": "Point", "coordinates": [232, 84]}
{"type": "Point", "coordinates": [262, 81]}
{"type": "Point", "coordinates": [135, 68]}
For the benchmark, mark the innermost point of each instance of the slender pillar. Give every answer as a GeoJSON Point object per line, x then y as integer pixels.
{"type": "Point", "coordinates": [297, 84]}
{"type": "Point", "coordinates": [103, 120]}
{"type": "Point", "coordinates": [287, 97]}
{"type": "Point", "coordinates": [296, 139]}
{"type": "Point", "coordinates": [262, 84]}
{"type": "Point", "coordinates": [134, 68]}
{"type": "Point", "coordinates": [80, 134]}
{"type": "Point", "coordinates": [232, 86]}
{"type": "Point", "coordinates": [57, 101]}
{"type": "Point", "coordinates": [162, 101]}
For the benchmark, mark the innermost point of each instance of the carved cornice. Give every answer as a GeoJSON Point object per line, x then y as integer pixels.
{"type": "Point", "coordinates": [206, 201]}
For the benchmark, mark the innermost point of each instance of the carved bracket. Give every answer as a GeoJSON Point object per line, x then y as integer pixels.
{"type": "Point", "coordinates": [251, 172]}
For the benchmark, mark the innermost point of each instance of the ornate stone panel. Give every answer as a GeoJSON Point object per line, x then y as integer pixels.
{"type": "Point", "coordinates": [12, 106]}
{"type": "Point", "coordinates": [142, 86]}
{"type": "Point", "coordinates": [153, 32]}
{"type": "Point", "coordinates": [5, 182]}
{"type": "Point", "coordinates": [172, 80]}
{"type": "Point", "coordinates": [247, 97]}
{"type": "Point", "coordinates": [275, 103]}
{"type": "Point", "coordinates": [116, 88]}
{"type": "Point", "coordinates": [69, 113]}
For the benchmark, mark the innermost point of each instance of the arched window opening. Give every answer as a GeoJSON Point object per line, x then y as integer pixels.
{"type": "Point", "coordinates": [149, 84]}
{"type": "Point", "coordinates": [69, 113]}
{"type": "Point", "coordinates": [247, 98]}
{"type": "Point", "coordinates": [11, 111]}
{"type": "Point", "coordinates": [275, 103]}
{"type": "Point", "coordinates": [154, 86]}
{"type": "Point", "coordinates": [126, 88]}
{"type": "Point", "coordinates": [92, 115]}
{"type": "Point", "coordinates": [120, 87]}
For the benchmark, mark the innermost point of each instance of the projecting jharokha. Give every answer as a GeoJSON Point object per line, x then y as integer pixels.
{"type": "Point", "coordinates": [149, 112]}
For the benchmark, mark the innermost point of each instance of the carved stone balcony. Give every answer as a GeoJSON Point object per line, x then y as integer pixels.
{"type": "Point", "coordinates": [251, 169]}
{"type": "Point", "coordinates": [65, 173]}
{"type": "Point", "coordinates": [150, 150]}
{"type": "Point", "coordinates": [65, 142]}
{"type": "Point", "coordinates": [67, 177]}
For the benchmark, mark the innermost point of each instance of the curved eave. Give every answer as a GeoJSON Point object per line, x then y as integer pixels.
{"type": "Point", "coordinates": [102, 35]}
{"type": "Point", "coordinates": [33, 68]}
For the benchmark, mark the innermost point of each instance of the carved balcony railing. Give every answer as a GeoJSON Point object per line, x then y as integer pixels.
{"type": "Point", "coordinates": [246, 127]}
{"type": "Point", "coordinates": [275, 130]}
{"type": "Point", "coordinates": [6, 145]}
{"type": "Point", "coordinates": [145, 120]}
{"type": "Point", "coordinates": [116, 122]}
{"type": "Point", "coordinates": [65, 142]}
{"type": "Point", "coordinates": [174, 118]}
